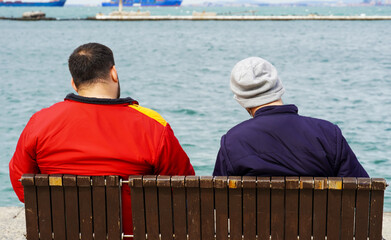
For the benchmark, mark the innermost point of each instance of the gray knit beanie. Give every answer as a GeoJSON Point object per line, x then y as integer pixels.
{"type": "Point", "coordinates": [254, 82]}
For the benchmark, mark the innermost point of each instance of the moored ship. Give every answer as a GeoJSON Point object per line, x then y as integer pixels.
{"type": "Point", "coordinates": [143, 3]}
{"type": "Point", "coordinates": [18, 3]}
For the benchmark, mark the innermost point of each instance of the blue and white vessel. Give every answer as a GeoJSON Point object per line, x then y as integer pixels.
{"type": "Point", "coordinates": [143, 3]}
{"type": "Point", "coordinates": [34, 3]}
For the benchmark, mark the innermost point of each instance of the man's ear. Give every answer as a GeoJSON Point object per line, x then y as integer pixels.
{"type": "Point", "coordinates": [73, 84]}
{"type": "Point", "coordinates": [114, 75]}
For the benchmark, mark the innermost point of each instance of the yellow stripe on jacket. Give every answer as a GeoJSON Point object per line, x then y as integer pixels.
{"type": "Point", "coordinates": [150, 113]}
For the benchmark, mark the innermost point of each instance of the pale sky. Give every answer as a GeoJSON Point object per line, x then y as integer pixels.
{"type": "Point", "coordinates": [186, 2]}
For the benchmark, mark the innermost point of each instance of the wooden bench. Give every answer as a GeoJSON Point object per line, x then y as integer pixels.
{"type": "Point", "coordinates": [187, 208]}
{"type": "Point", "coordinates": [72, 207]}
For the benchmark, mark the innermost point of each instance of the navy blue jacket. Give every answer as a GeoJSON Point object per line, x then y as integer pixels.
{"type": "Point", "coordinates": [279, 142]}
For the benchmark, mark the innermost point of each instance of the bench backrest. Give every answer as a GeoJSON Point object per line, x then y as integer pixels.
{"type": "Point", "coordinates": [252, 208]}
{"type": "Point", "coordinates": [187, 208]}
{"type": "Point", "coordinates": [72, 207]}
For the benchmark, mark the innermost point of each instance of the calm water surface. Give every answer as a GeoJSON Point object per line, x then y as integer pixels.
{"type": "Point", "coordinates": [340, 71]}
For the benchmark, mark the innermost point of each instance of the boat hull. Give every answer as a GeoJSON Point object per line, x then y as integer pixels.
{"type": "Point", "coordinates": [59, 3]}
{"type": "Point", "coordinates": [144, 3]}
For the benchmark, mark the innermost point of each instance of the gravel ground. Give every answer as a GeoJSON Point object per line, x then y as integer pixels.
{"type": "Point", "coordinates": [12, 224]}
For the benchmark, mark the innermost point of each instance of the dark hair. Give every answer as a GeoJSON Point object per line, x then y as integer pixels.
{"type": "Point", "coordinates": [90, 63]}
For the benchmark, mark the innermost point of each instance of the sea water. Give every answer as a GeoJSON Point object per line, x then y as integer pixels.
{"type": "Point", "coordinates": [335, 70]}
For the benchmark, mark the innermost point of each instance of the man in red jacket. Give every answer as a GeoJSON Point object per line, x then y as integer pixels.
{"type": "Point", "coordinates": [97, 133]}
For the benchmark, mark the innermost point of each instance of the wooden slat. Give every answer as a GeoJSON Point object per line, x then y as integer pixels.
{"type": "Point", "coordinates": [71, 207]}
{"type": "Point", "coordinates": [277, 208]}
{"type": "Point", "coordinates": [221, 205]}
{"type": "Point", "coordinates": [44, 206]}
{"type": "Point", "coordinates": [207, 207]}
{"type": "Point", "coordinates": [292, 208]}
{"type": "Point", "coordinates": [320, 207]}
{"type": "Point", "coordinates": [179, 207]}
{"type": "Point", "coordinates": [151, 207]}
{"type": "Point", "coordinates": [193, 207]}
{"type": "Point", "coordinates": [113, 198]}
{"type": "Point", "coordinates": [348, 205]}
{"type": "Point", "coordinates": [85, 214]}
{"type": "Point", "coordinates": [235, 207]}
{"type": "Point", "coordinates": [305, 211]}
{"type": "Point", "coordinates": [334, 208]}
{"type": "Point", "coordinates": [58, 206]}
{"type": "Point", "coordinates": [362, 208]}
{"type": "Point", "coordinates": [263, 208]}
{"type": "Point", "coordinates": [31, 207]}
{"type": "Point", "coordinates": [99, 207]}
{"type": "Point", "coordinates": [249, 207]}
{"type": "Point", "coordinates": [165, 207]}
{"type": "Point", "coordinates": [376, 215]}
{"type": "Point", "coordinates": [137, 197]}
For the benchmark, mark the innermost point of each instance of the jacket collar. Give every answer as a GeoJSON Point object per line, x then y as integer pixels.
{"type": "Point", "coordinates": [104, 101]}
{"type": "Point", "coordinates": [277, 109]}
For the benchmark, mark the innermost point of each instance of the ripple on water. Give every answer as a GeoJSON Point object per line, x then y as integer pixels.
{"type": "Point", "coordinates": [380, 161]}
{"type": "Point", "coordinates": [189, 112]}
{"type": "Point", "coordinates": [188, 145]}
{"type": "Point", "coordinates": [374, 121]}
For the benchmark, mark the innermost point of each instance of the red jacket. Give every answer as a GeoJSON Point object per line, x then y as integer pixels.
{"type": "Point", "coordinates": [91, 136]}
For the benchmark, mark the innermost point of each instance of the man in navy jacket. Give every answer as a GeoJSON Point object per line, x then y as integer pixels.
{"type": "Point", "coordinates": [277, 141]}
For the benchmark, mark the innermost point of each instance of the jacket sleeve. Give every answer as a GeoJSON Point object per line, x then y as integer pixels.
{"type": "Point", "coordinates": [172, 159]}
{"type": "Point", "coordinates": [222, 165]}
{"type": "Point", "coordinates": [23, 160]}
{"type": "Point", "coordinates": [346, 164]}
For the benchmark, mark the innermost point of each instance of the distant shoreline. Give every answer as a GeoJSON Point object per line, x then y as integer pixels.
{"type": "Point", "coordinates": [210, 18]}
{"type": "Point", "coordinates": [255, 5]}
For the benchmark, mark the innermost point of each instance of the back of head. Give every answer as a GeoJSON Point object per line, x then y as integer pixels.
{"type": "Point", "coordinates": [90, 63]}
{"type": "Point", "coordinates": [255, 82]}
